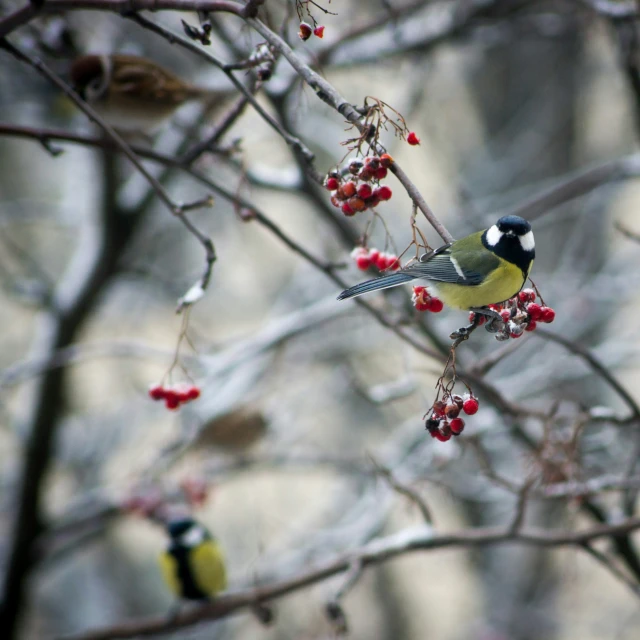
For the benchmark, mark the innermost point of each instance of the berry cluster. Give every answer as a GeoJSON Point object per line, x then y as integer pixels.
{"type": "Point", "coordinates": [517, 315]}
{"type": "Point", "coordinates": [350, 188]}
{"type": "Point", "coordinates": [195, 490]}
{"type": "Point", "coordinates": [366, 258]}
{"type": "Point", "coordinates": [444, 421]}
{"type": "Point", "coordinates": [174, 396]}
{"type": "Point", "coordinates": [305, 31]}
{"type": "Point", "coordinates": [143, 501]}
{"type": "Point", "coordinates": [424, 301]}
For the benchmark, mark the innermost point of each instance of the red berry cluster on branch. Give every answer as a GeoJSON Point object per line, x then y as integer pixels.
{"type": "Point", "coordinates": [517, 315]}
{"type": "Point", "coordinates": [444, 420]}
{"type": "Point", "coordinates": [305, 31]}
{"type": "Point", "coordinates": [174, 396]}
{"type": "Point", "coordinates": [366, 258]}
{"type": "Point", "coordinates": [424, 301]}
{"type": "Point", "coordinates": [350, 188]}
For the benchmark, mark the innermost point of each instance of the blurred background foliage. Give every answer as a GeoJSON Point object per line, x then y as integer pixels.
{"type": "Point", "coordinates": [299, 392]}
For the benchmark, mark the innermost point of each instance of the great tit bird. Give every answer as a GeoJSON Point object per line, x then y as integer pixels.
{"type": "Point", "coordinates": [192, 565]}
{"type": "Point", "coordinates": [480, 269]}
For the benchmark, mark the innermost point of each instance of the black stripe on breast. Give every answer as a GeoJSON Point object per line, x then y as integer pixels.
{"type": "Point", "coordinates": [510, 249]}
{"type": "Point", "coordinates": [188, 586]}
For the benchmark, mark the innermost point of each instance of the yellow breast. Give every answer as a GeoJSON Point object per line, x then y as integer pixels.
{"type": "Point", "coordinates": [502, 283]}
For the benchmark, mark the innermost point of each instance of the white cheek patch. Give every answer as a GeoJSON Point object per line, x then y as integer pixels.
{"type": "Point", "coordinates": [493, 235]}
{"type": "Point", "coordinates": [193, 537]}
{"type": "Point", "coordinates": [527, 242]}
{"type": "Point", "coordinates": [456, 266]}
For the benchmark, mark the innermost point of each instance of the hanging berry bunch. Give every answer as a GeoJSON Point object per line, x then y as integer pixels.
{"type": "Point", "coordinates": [517, 315]}
{"type": "Point", "coordinates": [424, 301]}
{"type": "Point", "coordinates": [357, 186]}
{"type": "Point", "coordinates": [305, 30]}
{"type": "Point", "coordinates": [175, 395]}
{"type": "Point", "coordinates": [366, 258]}
{"type": "Point", "coordinates": [444, 420]}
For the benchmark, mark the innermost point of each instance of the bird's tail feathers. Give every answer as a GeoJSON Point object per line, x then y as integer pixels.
{"type": "Point", "coordinates": [385, 282]}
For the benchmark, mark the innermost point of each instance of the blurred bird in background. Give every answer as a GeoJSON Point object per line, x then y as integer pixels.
{"type": "Point", "coordinates": [193, 564]}
{"type": "Point", "coordinates": [133, 94]}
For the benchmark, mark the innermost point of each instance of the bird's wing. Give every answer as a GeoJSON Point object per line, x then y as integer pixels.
{"type": "Point", "coordinates": [441, 266]}
{"type": "Point", "coordinates": [169, 568]}
{"type": "Point", "coordinates": [207, 564]}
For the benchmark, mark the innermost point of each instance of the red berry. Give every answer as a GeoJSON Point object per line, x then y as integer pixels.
{"type": "Point", "coordinates": [383, 193]}
{"type": "Point", "coordinates": [365, 191]}
{"type": "Point", "coordinates": [470, 406]}
{"type": "Point", "coordinates": [157, 392]}
{"type": "Point", "coordinates": [347, 210]}
{"type": "Point", "coordinates": [386, 160]}
{"type": "Point", "coordinates": [458, 400]}
{"type": "Point", "coordinates": [374, 254]}
{"type": "Point", "coordinates": [172, 401]}
{"type": "Point", "coordinates": [436, 305]}
{"type": "Point", "coordinates": [418, 290]}
{"type": "Point", "coordinates": [183, 394]}
{"type": "Point", "coordinates": [452, 410]}
{"type": "Point", "coordinates": [349, 189]}
{"type": "Point", "coordinates": [381, 173]}
{"type": "Point", "coordinates": [372, 163]}
{"type": "Point", "coordinates": [412, 138]}
{"type": "Point", "coordinates": [527, 295]}
{"type": "Point", "coordinates": [319, 31]}
{"type": "Point", "coordinates": [456, 426]}
{"type": "Point", "coordinates": [534, 310]}
{"type": "Point", "coordinates": [393, 263]}
{"type": "Point", "coordinates": [547, 314]}
{"type": "Point", "coordinates": [357, 204]}
{"type": "Point", "coordinates": [363, 262]}
{"type": "Point", "coordinates": [193, 393]}
{"type": "Point", "coordinates": [305, 31]}
{"type": "Point", "coordinates": [422, 306]}
{"type": "Point", "coordinates": [515, 335]}
{"type": "Point", "coordinates": [373, 201]}
{"type": "Point", "coordinates": [531, 326]}
{"type": "Point", "coordinates": [335, 202]}
{"type": "Point", "coordinates": [365, 174]}
{"type": "Point", "coordinates": [332, 184]}
{"type": "Point", "coordinates": [505, 314]}
{"type": "Point", "coordinates": [439, 407]}
{"type": "Point", "coordinates": [438, 435]}
{"type": "Point", "coordinates": [382, 262]}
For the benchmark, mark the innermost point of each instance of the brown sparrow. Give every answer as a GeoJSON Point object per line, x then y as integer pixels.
{"type": "Point", "coordinates": [130, 93]}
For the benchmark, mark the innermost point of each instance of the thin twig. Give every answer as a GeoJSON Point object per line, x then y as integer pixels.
{"type": "Point", "coordinates": [595, 364]}
{"type": "Point", "coordinates": [404, 490]}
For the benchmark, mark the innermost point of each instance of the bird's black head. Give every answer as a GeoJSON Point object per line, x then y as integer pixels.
{"type": "Point", "coordinates": [177, 528]}
{"type": "Point", "coordinates": [511, 238]}
{"type": "Point", "coordinates": [513, 225]}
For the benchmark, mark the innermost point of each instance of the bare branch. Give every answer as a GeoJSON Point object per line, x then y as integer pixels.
{"type": "Point", "coordinates": [375, 552]}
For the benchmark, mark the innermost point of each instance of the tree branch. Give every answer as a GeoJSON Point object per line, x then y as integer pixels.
{"type": "Point", "coordinates": [375, 552]}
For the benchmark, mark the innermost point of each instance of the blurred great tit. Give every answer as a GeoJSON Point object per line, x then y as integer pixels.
{"type": "Point", "coordinates": [480, 269]}
{"type": "Point", "coordinates": [192, 565]}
